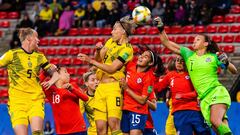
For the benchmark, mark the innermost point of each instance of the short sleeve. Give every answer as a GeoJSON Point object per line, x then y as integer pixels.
{"type": "Point", "coordinates": [45, 64]}
{"type": "Point", "coordinates": [6, 58]}
{"type": "Point", "coordinates": [185, 52]}
{"type": "Point", "coordinates": [126, 54]}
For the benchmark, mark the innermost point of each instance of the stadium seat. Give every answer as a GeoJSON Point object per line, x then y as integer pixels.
{"type": "Point", "coordinates": [106, 31]}
{"type": "Point", "coordinates": [217, 39]}
{"type": "Point", "coordinates": [81, 81]}
{"type": "Point", "coordinates": [85, 31]}
{"type": "Point", "coordinates": [167, 51]}
{"type": "Point", "coordinates": [135, 40]}
{"type": "Point", "coordinates": [223, 29]}
{"type": "Point", "coordinates": [156, 41]}
{"type": "Point", "coordinates": [237, 39]}
{"type": "Point", "coordinates": [96, 31]}
{"type": "Point", "coordinates": [190, 47]}
{"type": "Point", "coordinates": [65, 42]}
{"type": "Point", "coordinates": [235, 28]}
{"type": "Point", "coordinates": [175, 29]}
{"type": "Point", "coordinates": [229, 19]}
{"type": "Point", "coordinates": [88, 41]}
{"type": "Point", "coordinates": [43, 42]}
{"type": "Point", "coordinates": [211, 29]}
{"type": "Point", "coordinates": [217, 19]}
{"type": "Point", "coordinates": [54, 42]}
{"type": "Point", "coordinates": [228, 38]}
{"type": "Point", "coordinates": [100, 39]}
{"type": "Point", "coordinates": [171, 38]}
{"type": "Point", "coordinates": [76, 61]}
{"type": "Point", "coordinates": [158, 49]}
{"type": "Point", "coordinates": [86, 50]}
{"type": "Point", "coordinates": [229, 49]}
{"type": "Point", "coordinates": [71, 70]}
{"type": "Point", "coordinates": [141, 31]}
{"type": "Point", "coordinates": [62, 51]}
{"type": "Point", "coordinates": [73, 32]}
{"type": "Point", "coordinates": [42, 50]}
{"type": "Point", "coordinates": [199, 29]}
{"type": "Point", "coordinates": [65, 61]}
{"type": "Point", "coordinates": [136, 49]}
{"type": "Point", "coordinates": [1, 33]}
{"type": "Point", "coordinates": [235, 9]}
{"type": "Point", "coordinates": [238, 19]}
{"type": "Point", "coordinates": [74, 51]}
{"type": "Point", "coordinates": [13, 15]}
{"type": "Point", "coordinates": [51, 51]}
{"type": "Point", "coordinates": [54, 61]}
{"type": "Point", "coordinates": [167, 29]}
{"type": "Point", "coordinates": [74, 79]}
{"type": "Point", "coordinates": [4, 93]}
{"type": "Point", "coordinates": [146, 40]}
{"type": "Point", "coordinates": [188, 29]}
{"type": "Point", "coordinates": [152, 31]}
{"type": "Point", "coordinates": [3, 15]}
{"type": "Point", "coordinates": [2, 72]}
{"type": "Point", "coordinates": [181, 39]}
{"type": "Point", "coordinates": [5, 24]}
{"type": "Point", "coordinates": [81, 71]}
{"type": "Point", "coordinates": [3, 81]}
{"type": "Point", "coordinates": [190, 39]}
{"type": "Point", "coordinates": [77, 41]}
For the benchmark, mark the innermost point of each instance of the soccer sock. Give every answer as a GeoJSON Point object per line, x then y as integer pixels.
{"type": "Point", "coordinates": [117, 132]}
{"type": "Point", "coordinates": [37, 133]}
{"type": "Point", "coordinates": [224, 130]}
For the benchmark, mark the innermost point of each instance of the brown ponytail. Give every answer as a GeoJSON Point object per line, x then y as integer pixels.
{"type": "Point", "coordinates": [212, 46]}
{"type": "Point", "coordinates": [127, 24]}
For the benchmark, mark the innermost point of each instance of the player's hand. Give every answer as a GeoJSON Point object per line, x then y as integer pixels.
{"type": "Point", "coordinates": [67, 86]}
{"type": "Point", "coordinates": [53, 68]}
{"type": "Point", "coordinates": [222, 57]}
{"type": "Point", "coordinates": [178, 96]}
{"type": "Point", "coordinates": [157, 21]}
{"type": "Point", "coordinates": [99, 46]}
{"type": "Point", "coordinates": [123, 84]}
{"type": "Point", "coordinates": [84, 57]}
{"type": "Point", "coordinates": [46, 85]}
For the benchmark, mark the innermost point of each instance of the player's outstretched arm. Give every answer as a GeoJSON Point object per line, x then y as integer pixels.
{"type": "Point", "coordinates": [152, 104]}
{"type": "Point", "coordinates": [232, 68]}
{"type": "Point", "coordinates": [164, 38]}
{"type": "Point", "coordinates": [116, 64]}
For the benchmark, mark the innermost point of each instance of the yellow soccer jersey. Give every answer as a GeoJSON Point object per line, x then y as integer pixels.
{"type": "Point", "coordinates": [88, 108]}
{"type": "Point", "coordinates": [23, 70]}
{"type": "Point", "coordinates": [122, 52]}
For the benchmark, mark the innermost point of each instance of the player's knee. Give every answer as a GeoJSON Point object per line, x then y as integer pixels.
{"type": "Point", "coordinates": [37, 132]}
{"type": "Point", "coordinates": [114, 123]}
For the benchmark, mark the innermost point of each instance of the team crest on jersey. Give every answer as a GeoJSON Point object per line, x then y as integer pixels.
{"type": "Point", "coordinates": [139, 80]}
{"type": "Point", "coordinates": [208, 59]}
{"type": "Point", "coordinates": [187, 77]}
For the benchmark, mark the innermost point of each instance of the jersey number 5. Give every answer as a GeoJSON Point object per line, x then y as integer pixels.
{"type": "Point", "coordinates": [29, 72]}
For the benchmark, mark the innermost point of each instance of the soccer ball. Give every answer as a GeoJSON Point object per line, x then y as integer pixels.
{"type": "Point", "coordinates": [141, 15]}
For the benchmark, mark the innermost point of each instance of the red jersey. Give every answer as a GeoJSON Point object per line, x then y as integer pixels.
{"type": "Point", "coordinates": [149, 122]}
{"type": "Point", "coordinates": [180, 83]}
{"type": "Point", "coordinates": [65, 106]}
{"type": "Point", "coordinates": [139, 83]}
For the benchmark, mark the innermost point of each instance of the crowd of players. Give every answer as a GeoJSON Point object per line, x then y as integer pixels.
{"type": "Point", "coordinates": [120, 88]}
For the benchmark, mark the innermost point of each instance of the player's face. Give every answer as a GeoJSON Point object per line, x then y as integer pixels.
{"type": "Point", "coordinates": [144, 59]}
{"type": "Point", "coordinates": [92, 82]}
{"type": "Point", "coordinates": [199, 42]}
{"type": "Point", "coordinates": [64, 75]}
{"type": "Point", "coordinates": [34, 41]}
{"type": "Point", "coordinates": [117, 32]}
{"type": "Point", "coordinates": [179, 63]}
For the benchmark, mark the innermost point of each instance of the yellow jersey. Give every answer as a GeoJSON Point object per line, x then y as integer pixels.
{"type": "Point", "coordinates": [23, 71]}
{"type": "Point", "coordinates": [123, 52]}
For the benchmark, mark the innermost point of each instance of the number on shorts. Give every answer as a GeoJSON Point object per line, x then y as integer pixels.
{"type": "Point", "coordinates": [56, 99]}
{"type": "Point", "coordinates": [135, 118]}
{"type": "Point", "coordinates": [118, 101]}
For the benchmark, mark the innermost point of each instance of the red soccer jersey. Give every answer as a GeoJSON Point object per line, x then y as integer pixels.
{"type": "Point", "coordinates": [65, 106]}
{"type": "Point", "coordinates": [180, 83]}
{"type": "Point", "coordinates": [139, 83]}
{"type": "Point", "coordinates": [149, 122]}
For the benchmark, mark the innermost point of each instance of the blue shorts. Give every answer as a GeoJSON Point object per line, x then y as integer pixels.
{"type": "Point", "coordinates": [77, 133]}
{"type": "Point", "coordinates": [150, 131]}
{"type": "Point", "coordinates": [132, 120]}
{"type": "Point", "coordinates": [187, 121]}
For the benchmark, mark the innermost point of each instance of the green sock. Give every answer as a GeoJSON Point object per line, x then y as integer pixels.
{"type": "Point", "coordinates": [37, 133]}
{"type": "Point", "coordinates": [117, 132]}
{"type": "Point", "coordinates": [224, 130]}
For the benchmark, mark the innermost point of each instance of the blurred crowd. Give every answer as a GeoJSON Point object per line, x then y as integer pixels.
{"type": "Point", "coordinates": [56, 17]}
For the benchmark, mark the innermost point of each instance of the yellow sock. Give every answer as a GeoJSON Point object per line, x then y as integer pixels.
{"type": "Point", "coordinates": [37, 133]}
{"type": "Point", "coordinates": [117, 132]}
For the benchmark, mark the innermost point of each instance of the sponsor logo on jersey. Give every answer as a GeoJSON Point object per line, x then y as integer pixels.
{"type": "Point", "coordinates": [139, 80]}
{"type": "Point", "coordinates": [187, 77]}
{"type": "Point", "coordinates": [208, 59]}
